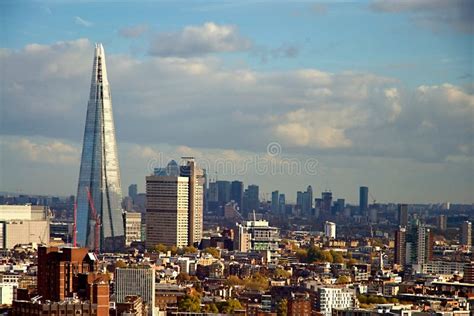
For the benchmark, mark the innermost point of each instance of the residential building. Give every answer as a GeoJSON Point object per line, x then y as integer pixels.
{"type": "Point", "coordinates": [466, 234]}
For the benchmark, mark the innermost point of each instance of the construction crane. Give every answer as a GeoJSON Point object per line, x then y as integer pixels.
{"type": "Point", "coordinates": [96, 217]}
{"type": "Point", "coordinates": [373, 198]}
{"type": "Point", "coordinates": [74, 226]}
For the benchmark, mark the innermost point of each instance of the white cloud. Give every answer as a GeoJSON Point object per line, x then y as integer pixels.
{"type": "Point", "coordinates": [199, 40]}
{"type": "Point", "coordinates": [82, 22]}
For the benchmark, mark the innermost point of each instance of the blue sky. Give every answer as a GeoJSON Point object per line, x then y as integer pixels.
{"type": "Point", "coordinates": [379, 92]}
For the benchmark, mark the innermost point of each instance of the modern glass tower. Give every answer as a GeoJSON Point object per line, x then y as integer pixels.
{"type": "Point", "coordinates": [99, 194]}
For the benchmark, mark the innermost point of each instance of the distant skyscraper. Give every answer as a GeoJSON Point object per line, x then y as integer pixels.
{"type": "Point", "coordinates": [253, 202]}
{"type": "Point", "coordinates": [442, 222]}
{"type": "Point", "coordinates": [99, 193]}
{"type": "Point", "coordinates": [466, 234]}
{"type": "Point", "coordinates": [223, 192]}
{"type": "Point", "coordinates": [326, 201]}
{"type": "Point", "coordinates": [132, 191]}
{"type": "Point", "coordinates": [403, 215]}
{"type": "Point", "coordinates": [400, 247]}
{"type": "Point", "coordinates": [307, 200]}
{"type": "Point", "coordinates": [282, 203]}
{"type": "Point", "coordinates": [237, 192]}
{"type": "Point", "coordinates": [340, 205]}
{"type": "Point", "coordinates": [363, 200]}
{"type": "Point", "coordinates": [275, 201]}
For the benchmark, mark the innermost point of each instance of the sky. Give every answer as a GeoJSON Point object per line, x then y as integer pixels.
{"type": "Point", "coordinates": [283, 94]}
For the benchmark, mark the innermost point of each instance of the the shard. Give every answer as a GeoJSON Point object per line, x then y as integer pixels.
{"type": "Point", "coordinates": [99, 222]}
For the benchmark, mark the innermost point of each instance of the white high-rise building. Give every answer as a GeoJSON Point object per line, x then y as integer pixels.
{"type": "Point", "coordinates": [466, 234]}
{"type": "Point", "coordinates": [335, 297]}
{"type": "Point", "coordinates": [136, 281]}
{"type": "Point", "coordinates": [330, 230]}
{"type": "Point", "coordinates": [167, 211]}
{"type": "Point", "coordinates": [133, 227]}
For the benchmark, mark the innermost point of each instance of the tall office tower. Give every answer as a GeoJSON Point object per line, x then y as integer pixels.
{"type": "Point", "coordinates": [275, 201]}
{"type": "Point", "coordinates": [212, 197]}
{"type": "Point", "coordinates": [132, 191]}
{"type": "Point", "coordinates": [466, 234]}
{"type": "Point", "coordinates": [237, 192]}
{"type": "Point", "coordinates": [326, 201]}
{"type": "Point", "coordinates": [253, 202]}
{"type": "Point", "coordinates": [340, 205]}
{"type": "Point", "coordinates": [307, 201]}
{"type": "Point", "coordinates": [419, 245]}
{"type": "Point", "coordinates": [138, 280]}
{"type": "Point", "coordinates": [402, 215]}
{"type": "Point", "coordinates": [282, 203]}
{"type": "Point", "coordinates": [99, 193]}
{"type": "Point", "coordinates": [196, 199]}
{"type": "Point", "coordinates": [223, 192]}
{"type": "Point", "coordinates": [442, 222]}
{"type": "Point", "coordinates": [363, 200]}
{"type": "Point", "coordinates": [400, 246]}
{"type": "Point", "coordinates": [299, 199]}
{"type": "Point", "coordinates": [167, 211]}
{"type": "Point", "coordinates": [330, 230]}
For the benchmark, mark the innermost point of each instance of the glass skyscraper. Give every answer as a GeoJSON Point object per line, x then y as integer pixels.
{"type": "Point", "coordinates": [99, 194]}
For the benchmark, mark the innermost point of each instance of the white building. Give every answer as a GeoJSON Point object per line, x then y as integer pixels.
{"type": "Point", "coordinates": [133, 227]}
{"type": "Point", "coordinates": [136, 281]}
{"type": "Point", "coordinates": [6, 293]}
{"type": "Point", "coordinates": [23, 224]}
{"type": "Point", "coordinates": [330, 230]}
{"type": "Point", "coordinates": [335, 297]}
{"type": "Point", "coordinates": [256, 235]}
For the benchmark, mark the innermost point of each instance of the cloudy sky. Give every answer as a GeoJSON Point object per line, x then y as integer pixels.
{"type": "Point", "coordinates": [376, 93]}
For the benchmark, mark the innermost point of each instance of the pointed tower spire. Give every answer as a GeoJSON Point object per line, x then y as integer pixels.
{"type": "Point", "coordinates": [99, 194]}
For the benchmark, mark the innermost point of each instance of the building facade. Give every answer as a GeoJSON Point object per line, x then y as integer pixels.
{"type": "Point", "coordinates": [136, 281]}
{"type": "Point", "coordinates": [99, 193]}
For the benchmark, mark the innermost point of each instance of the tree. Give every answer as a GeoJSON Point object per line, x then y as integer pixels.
{"type": "Point", "coordinates": [257, 282]}
{"type": "Point", "coordinates": [161, 248]}
{"type": "Point", "coordinates": [213, 252]}
{"type": "Point", "coordinates": [190, 249]}
{"type": "Point", "coordinates": [210, 308]}
{"type": "Point", "coordinates": [120, 264]}
{"type": "Point", "coordinates": [190, 303]}
{"type": "Point", "coordinates": [173, 249]}
{"type": "Point", "coordinates": [337, 257]}
{"type": "Point", "coordinates": [282, 309]}
{"type": "Point", "coordinates": [343, 279]}
{"type": "Point", "coordinates": [234, 280]}
{"type": "Point", "coordinates": [302, 254]}
{"type": "Point", "coordinates": [183, 277]}
{"type": "Point", "coordinates": [281, 274]}
{"type": "Point", "coordinates": [229, 306]}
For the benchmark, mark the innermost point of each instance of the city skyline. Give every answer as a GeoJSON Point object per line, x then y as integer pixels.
{"type": "Point", "coordinates": [373, 110]}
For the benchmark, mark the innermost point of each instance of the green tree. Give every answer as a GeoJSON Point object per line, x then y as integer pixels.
{"type": "Point", "coordinates": [281, 274]}
{"type": "Point", "coordinates": [190, 249]}
{"type": "Point", "coordinates": [161, 248]}
{"type": "Point", "coordinates": [301, 254]}
{"type": "Point", "coordinates": [337, 257]}
{"type": "Point", "coordinates": [234, 280]}
{"type": "Point", "coordinates": [190, 303]}
{"type": "Point", "coordinates": [173, 249]}
{"type": "Point", "coordinates": [213, 252]}
{"type": "Point", "coordinates": [210, 308]}
{"type": "Point", "coordinates": [120, 264]}
{"type": "Point", "coordinates": [282, 309]}
{"type": "Point", "coordinates": [343, 279]}
{"type": "Point", "coordinates": [229, 306]}
{"type": "Point", "coordinates": [257, 282]}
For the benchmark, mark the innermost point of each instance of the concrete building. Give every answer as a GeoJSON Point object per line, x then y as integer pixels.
{"type": "Point", "coordinates": [167, 211]}
{"type": "Point", "coordinates": [402, 215]}
{"type": "Point", "coordinates": [442, 222]}
{"type": "Point", "coordinates": [133, 227]}
{"type": "Point", "coordinates": [256, 235]}
{"type": "Point", "coordinates": [6, 293]}
{"type": "Point", "coordinates": [23, 224]}
{"type": "Point", "coordinates": [330, 230]}
{"type": "Point", "coordinates": [329, 298]}
{"type": "Point", "coordinates": [136, 281]}
{"type": "Point", "coordinates": [400, 247]}
{"type": "Point", "coordinates": [48, 308]}
{"type": "Point", "coordinates": [466, 234]}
